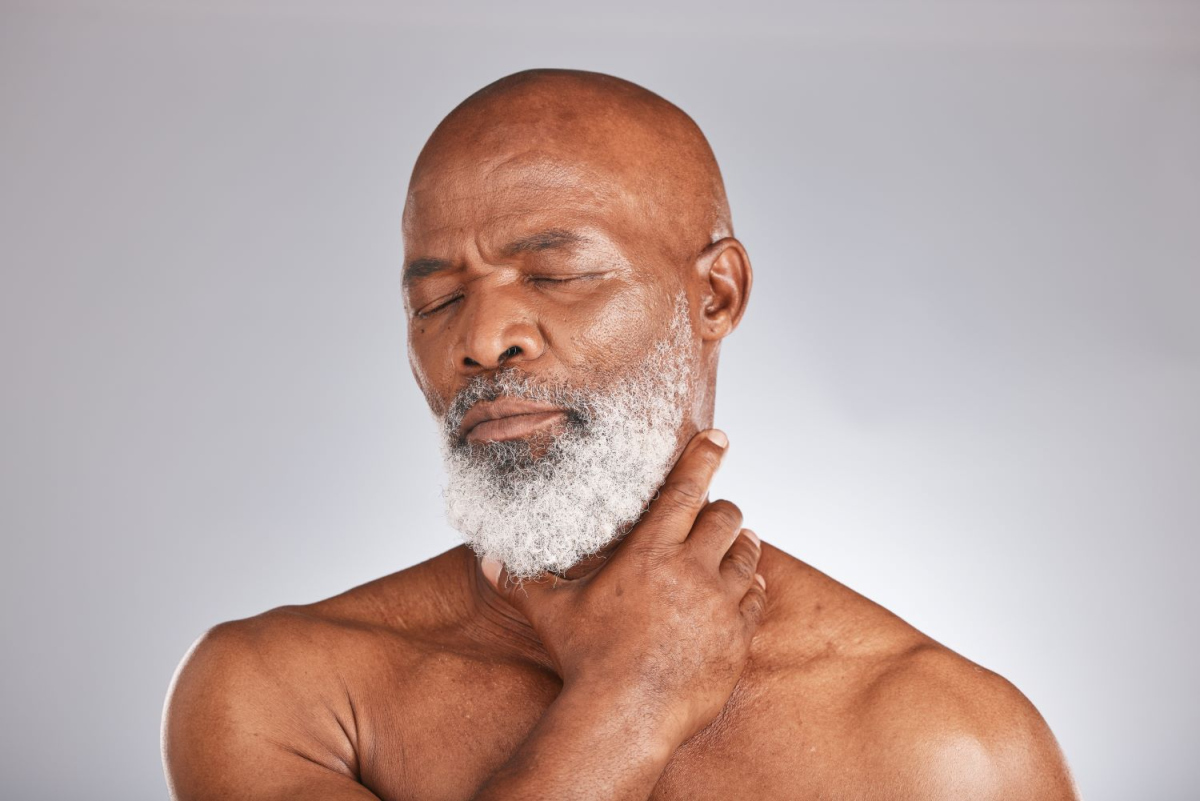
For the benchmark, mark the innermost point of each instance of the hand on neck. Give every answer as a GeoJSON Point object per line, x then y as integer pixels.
{"type": "Point", "coordinates": [501, 623]}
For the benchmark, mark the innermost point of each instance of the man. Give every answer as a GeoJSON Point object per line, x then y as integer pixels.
{"type": "Point", "coordinates": [608, 633]}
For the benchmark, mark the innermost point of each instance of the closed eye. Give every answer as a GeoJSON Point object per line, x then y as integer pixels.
{"type": "Point", "coordinates": [560, 279]}
{"type": "Point", "coordinates": [444, 304]}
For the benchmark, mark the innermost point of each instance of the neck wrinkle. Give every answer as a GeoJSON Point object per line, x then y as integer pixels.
{"type": "Point", "coordinates": [496, 622]}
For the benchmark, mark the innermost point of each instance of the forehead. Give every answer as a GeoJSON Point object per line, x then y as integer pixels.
{"type": "Point", "coordinates": [493, 198]}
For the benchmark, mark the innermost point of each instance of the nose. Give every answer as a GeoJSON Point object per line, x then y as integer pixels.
{"type": "Point", "coordinates": [498, 332]}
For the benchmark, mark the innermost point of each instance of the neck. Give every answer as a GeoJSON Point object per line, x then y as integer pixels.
{"type": "Point", "coordinates": [498, 623]}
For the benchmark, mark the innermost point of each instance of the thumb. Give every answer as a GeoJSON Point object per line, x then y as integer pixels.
{"type": "Point", "coordinates": [530, 597]}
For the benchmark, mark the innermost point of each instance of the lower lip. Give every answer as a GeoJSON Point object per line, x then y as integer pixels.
{"type": "Point", "coordinates": [517, 426]}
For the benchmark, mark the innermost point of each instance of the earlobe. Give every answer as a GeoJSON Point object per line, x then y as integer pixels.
{"type": "Point", "coordinates": [723, 270]}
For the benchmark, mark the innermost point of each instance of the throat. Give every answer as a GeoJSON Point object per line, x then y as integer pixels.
{"type": "Point", "coordinates": [494, 622]}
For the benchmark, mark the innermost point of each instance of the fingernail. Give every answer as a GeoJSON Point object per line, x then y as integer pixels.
{"type": "Point", "coordinates": [718, 438]}
{"type": "Point", "coordinates": [762, 582]}
{"type": "Point", "coordinates": [491, 569]}
{"type": "Point", "coordinates": [752, 537]}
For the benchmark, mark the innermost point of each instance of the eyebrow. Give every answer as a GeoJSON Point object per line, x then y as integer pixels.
{"type": "Point", "coordinates": [423, 267]}
{"type": "Point", "coordinates": [542, 240]}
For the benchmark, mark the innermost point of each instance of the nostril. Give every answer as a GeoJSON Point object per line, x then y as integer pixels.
{"type": "Point", "coordinates": [508, 354]}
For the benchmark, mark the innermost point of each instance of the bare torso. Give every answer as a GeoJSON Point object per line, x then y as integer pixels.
{"type": "Point", "coordinates": [411, 687]}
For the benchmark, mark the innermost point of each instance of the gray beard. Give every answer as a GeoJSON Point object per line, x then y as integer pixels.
{"type": "Point", "coordinates": [584, 488]}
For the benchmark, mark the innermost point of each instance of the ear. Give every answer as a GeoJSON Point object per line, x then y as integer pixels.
{"type": "Point", "coordinates": [724, 276]}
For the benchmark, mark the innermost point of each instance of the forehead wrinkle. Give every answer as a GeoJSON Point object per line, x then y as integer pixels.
{"type": "Point", "coordinates": [644, 195]}
{"type": "Point", "coordinates": [643, 198]}
{"type": "Point", "coordinates": [492, 222]}
{"type": "Point", "coordinates": [508, 188]}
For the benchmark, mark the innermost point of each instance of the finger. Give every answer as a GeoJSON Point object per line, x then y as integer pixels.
{"type": "Point", "coordinates": [754, 603]}
{"type": "Point", "coordinates": [715, 530]}
{"type": "Point", "coordinates": [683, 494]}
{"type": "Point", "coordinates": [532, 597]}
{"type": "Point", "coordinates": [740, 564]}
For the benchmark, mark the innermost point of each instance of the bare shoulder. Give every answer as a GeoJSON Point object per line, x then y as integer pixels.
{"type": "Point", "coordinates": [937, 725]}
{"type": "Point", "coordinates": [953, 729]}
{"type": "Point", "coordinates": [268, 701]}
{"type": "Point", "coordinates": [250, 708]}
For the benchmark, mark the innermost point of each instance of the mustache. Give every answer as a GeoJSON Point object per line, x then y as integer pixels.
{"type": "Point", "coordinates": [513, 383]}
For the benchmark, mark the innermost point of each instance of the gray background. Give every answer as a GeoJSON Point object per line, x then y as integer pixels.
{"type": "Point", "coordinates": [967, 385]}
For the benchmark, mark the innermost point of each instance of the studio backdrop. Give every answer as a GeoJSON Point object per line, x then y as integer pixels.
{"type": "Point", "coordinates": [966, 386]}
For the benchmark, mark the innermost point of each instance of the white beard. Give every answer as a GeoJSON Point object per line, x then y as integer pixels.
{"type": "Point", "coordinates": [548, 512]}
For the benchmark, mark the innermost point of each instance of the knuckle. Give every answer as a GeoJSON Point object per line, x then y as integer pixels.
{"type": "Point", "coordinates": [684, 492]}
{"type": "Point", "coordinates": [753, 551]}
{"type": "Point", "coordinates": [755, 603]}
{"type": "Point", "coordinates": [749, 539]}
{"type": "Point", "coordinates": [754, 608]}
{"type": "Point", "coordinates": [742, 566]}
{"type": "Point", "coordinates": [725, 514]}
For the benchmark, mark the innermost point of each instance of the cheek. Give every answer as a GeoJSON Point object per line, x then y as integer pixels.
{"type": "Point", "coordinates": [430, 373]}
{"type": "Point", "coordinates": [607, 339]}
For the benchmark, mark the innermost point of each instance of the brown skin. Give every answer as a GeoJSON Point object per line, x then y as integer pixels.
{"type": "Point", "coordinates": [661, 669]}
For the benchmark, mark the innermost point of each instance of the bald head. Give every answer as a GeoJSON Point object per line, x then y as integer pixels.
{"type": "Point", "coordinates": [598, 139]}
{"type": "Point", "coordinates": [556, 223]}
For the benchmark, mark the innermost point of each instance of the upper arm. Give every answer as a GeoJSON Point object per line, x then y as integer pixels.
{"type": "Point", "coordinates": [237, 725]}
{"type": "Point", "coordinates": [949, 729]}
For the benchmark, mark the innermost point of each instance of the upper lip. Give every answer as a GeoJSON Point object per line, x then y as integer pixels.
{"type": "Point", "coordinates": [483, 411]}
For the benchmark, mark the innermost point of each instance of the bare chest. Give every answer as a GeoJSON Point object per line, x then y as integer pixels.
{"type": "Point", "coordinates": [450, 722]}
